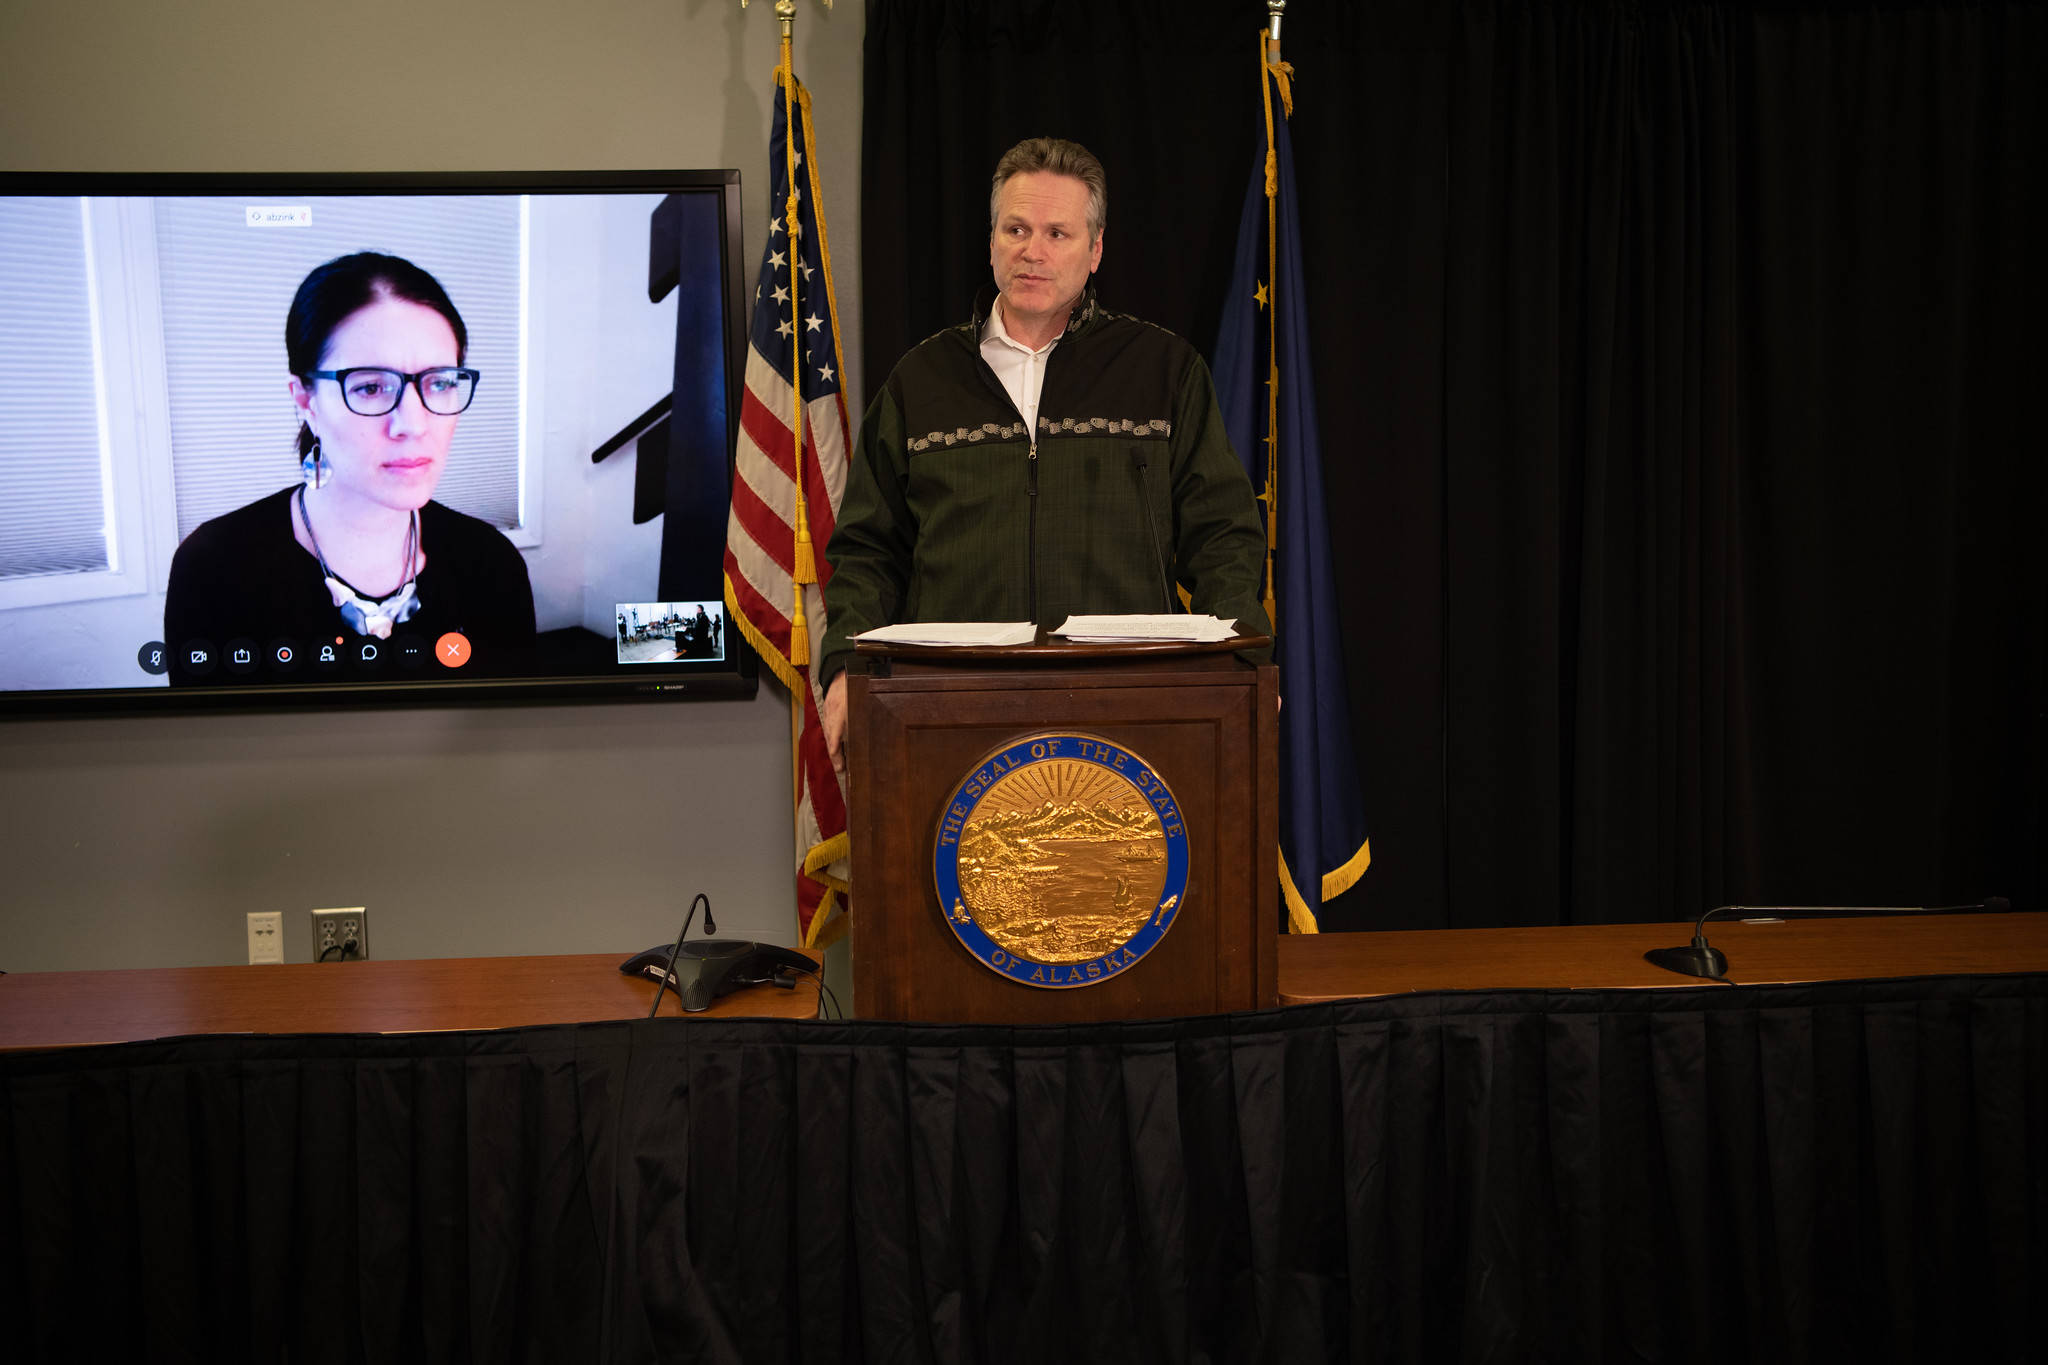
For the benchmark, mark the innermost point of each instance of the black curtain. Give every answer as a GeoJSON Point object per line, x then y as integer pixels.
{"type": "Point", "coordinates": [1852, 1171]}
{"type": "Point", "coordinates": [1672, 368]}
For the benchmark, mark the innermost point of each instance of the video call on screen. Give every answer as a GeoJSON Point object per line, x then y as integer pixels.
{"type": "Point", "coordinates": [494, 522]}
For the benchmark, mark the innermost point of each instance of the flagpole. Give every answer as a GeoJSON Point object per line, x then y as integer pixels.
{"type": "Point", "coordinates": [803, 571]}
{"type": "Point", "coordinates": [1271, 71]}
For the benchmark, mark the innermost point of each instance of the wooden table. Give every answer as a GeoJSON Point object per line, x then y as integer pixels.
{"type": "Point", "coordinates": [67, 1009]}
{"type": "Point", "coordinates": [1610, 956]}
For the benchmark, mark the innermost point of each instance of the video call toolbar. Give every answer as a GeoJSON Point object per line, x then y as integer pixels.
{"type": "Point", "coordinates": [201, 658]}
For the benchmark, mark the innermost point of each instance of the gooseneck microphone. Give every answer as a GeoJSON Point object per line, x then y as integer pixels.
{"type": "Point", "coordinates": [710, 927]}
{"type": "Point", "coordinates": [1138, 466]}
{"type": "Point", "coordinates": [1699, 958]}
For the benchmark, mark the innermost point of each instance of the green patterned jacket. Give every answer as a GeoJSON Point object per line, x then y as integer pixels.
{"type": "Point", "coordinates": [955, 512]}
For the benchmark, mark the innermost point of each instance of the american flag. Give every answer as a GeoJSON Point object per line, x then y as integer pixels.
{"type": "Point", "coordinates": [793, 341]}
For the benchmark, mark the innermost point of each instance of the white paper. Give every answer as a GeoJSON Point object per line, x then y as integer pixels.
{"type": "Point", "coordinates": [1109, 628]}
{"type": "Point", "coordinates": [954, 633]}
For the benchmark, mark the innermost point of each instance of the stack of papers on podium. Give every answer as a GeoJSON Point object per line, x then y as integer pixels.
{"type": "Point", "coordinates": [1107, 628]}
{"type": "Point", "coordinates": [954, 633]}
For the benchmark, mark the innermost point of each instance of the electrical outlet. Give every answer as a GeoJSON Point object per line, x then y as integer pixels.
{"type": "Point", "coordinates": [266, 936]}
{"type": "Point", "coordinates": [335, 930]}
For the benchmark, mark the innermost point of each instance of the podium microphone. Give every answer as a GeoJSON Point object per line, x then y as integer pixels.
{"type": "Point", "coordinates": [1699, 958]}
{"type": "Point", "coordinates": [1139, 466]}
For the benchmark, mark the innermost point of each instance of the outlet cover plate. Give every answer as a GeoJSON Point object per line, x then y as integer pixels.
{"type": "Point", "coordinates": [266, 936]}
{"type": "Point", "coordinates": [333, 928]}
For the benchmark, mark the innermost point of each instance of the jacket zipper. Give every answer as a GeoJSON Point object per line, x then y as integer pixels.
{"type": "Point", "coordinates": [1031, 527]}
{"type": "Point", "coordinates": [1030, 471]}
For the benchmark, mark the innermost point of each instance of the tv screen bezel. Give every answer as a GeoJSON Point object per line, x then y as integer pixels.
{"type": "Point", "coordinates": [738, 681]}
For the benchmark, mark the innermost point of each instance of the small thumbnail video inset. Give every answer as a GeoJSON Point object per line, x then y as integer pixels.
{"type": "Point", "coordinates": [664, 632]}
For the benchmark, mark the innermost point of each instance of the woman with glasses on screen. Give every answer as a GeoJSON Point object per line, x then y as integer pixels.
{"type": "Point", "coordinates": [357, 552]}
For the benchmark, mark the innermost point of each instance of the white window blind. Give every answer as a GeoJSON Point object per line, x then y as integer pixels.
{"type": "Point", "coordinates": [53, 517]}
{"type": "Point", "coordinates": [226, 287]}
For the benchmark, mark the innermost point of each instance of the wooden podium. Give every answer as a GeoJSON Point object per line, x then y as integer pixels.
{"type": "Point", "coordinates": [1195, 721]}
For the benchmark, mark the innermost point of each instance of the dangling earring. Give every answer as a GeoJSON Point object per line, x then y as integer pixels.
{"type": "Point", "coordinates": [313, 465]}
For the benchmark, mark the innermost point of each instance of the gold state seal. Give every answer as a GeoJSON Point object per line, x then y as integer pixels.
{"type": "Point", "coordinates": [1061, 860]}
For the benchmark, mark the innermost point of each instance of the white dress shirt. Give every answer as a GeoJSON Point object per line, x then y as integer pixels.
{"type": "Point", "coordinates": [1021, 369]}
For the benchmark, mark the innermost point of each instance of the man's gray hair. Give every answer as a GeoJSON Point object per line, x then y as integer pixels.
{"type": "Point", "coordinates": [1056, 156]}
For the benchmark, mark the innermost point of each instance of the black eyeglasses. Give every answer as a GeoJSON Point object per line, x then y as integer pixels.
{"type": "Point", "coordinates": [371, 392]}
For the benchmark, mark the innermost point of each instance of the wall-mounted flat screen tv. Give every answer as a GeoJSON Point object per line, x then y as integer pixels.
{"type": "Point", "coordinates": [296, 440]}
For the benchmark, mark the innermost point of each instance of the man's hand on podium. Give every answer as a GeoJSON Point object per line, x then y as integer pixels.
{"type": "Point", "coordinates": [835, 722]}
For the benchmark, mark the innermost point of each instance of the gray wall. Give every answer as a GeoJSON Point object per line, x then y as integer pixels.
{"type": "Point", "coordinates": [135, 842]}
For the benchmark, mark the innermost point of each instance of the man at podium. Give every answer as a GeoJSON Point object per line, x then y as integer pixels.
{"type": "Point", "coordinates": [1046, 458]}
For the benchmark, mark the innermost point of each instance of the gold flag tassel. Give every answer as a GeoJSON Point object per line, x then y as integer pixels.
{"type": "Point", "coordinates": [1282, 75]}
{"type": "Point", "coordinates": [803, 568]}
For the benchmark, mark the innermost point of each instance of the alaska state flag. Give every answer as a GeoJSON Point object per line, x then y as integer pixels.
{"type": "Point", "coordinates": [1323, 844]}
